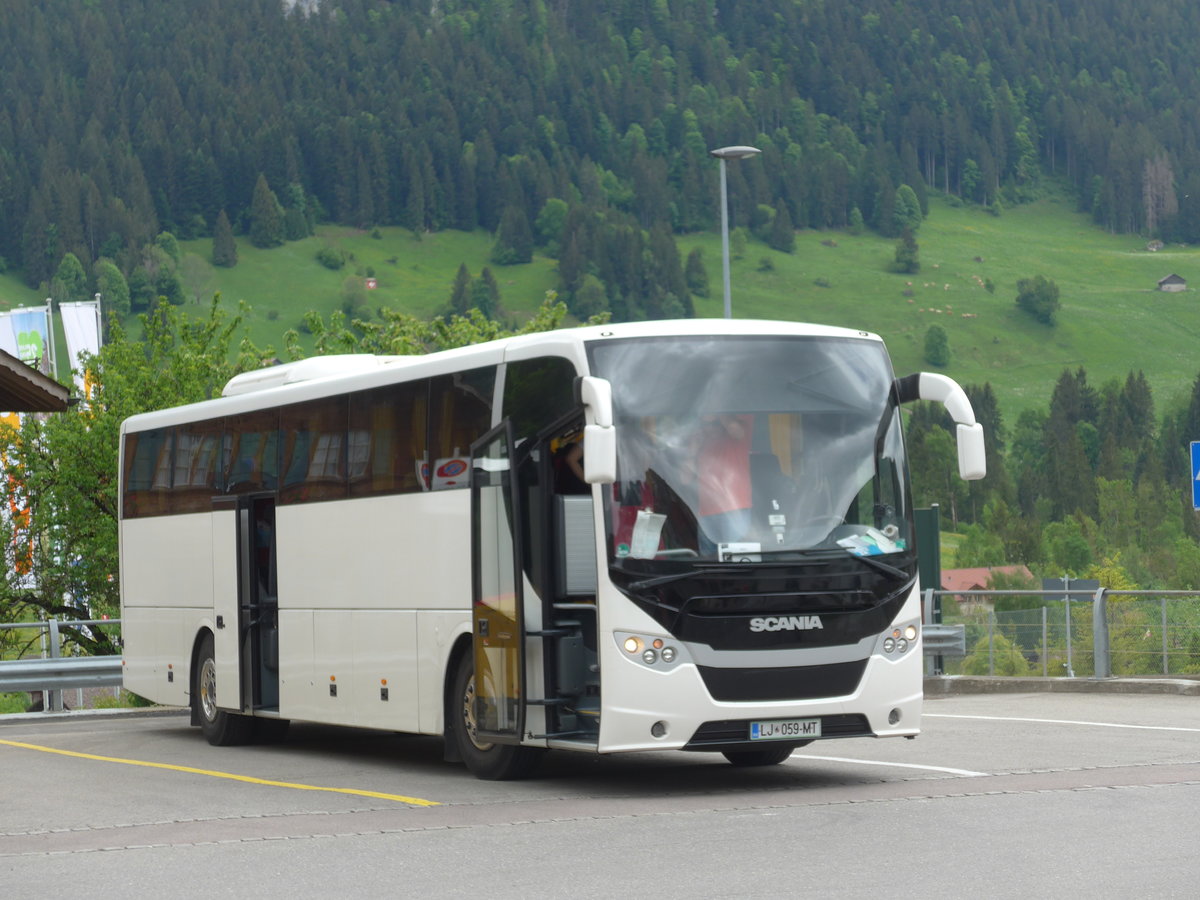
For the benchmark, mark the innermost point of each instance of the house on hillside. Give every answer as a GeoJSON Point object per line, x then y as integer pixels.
{"type": "Point", "coordinates": [979, 579]}
{"type": "Point", "coordinates": [1172, 283]}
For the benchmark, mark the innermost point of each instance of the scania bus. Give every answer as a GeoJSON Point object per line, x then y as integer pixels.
{"type": "Point", "coordinates": [399, 543]}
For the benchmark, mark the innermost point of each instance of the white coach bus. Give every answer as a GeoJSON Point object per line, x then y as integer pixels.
{"type": "Point", "coordinates": [400, 543]}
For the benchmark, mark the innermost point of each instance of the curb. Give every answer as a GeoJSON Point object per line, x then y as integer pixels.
{"type": "Point", "coordinates": [140, 712]}
{"type": "Point", "coordinates": [951, 685]}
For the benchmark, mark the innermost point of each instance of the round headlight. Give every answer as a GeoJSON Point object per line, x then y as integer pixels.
{"type": "Point", "coordinates": [911, 632]}
{"type": "Point", "coordinates": [632, 645]}
{"type": "Point", "coordinates": [902, 645]}
{"type": "Point", "coordinates": [889, 644]}
{"type": "Point", "coordinates": [668, 654]}
{"type": "Point", "coordinates": [649, 657]}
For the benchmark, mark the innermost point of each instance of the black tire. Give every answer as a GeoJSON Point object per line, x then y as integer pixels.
{"type": "Point", "coordinates": [491, 762]}
{"type": "Point", "coordinates": [221, 728]}
{"type": "Point", "coordinates": [768, 756]}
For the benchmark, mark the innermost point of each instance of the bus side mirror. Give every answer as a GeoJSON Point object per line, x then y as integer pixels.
{"type": "Point", "coordinates": [972, 458]}
{"type": "Point", "coordinates": [599, 435]}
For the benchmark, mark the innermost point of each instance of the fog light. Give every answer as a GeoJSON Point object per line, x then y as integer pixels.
{"type": "Point", "coordinates": [668, 654]}
{"type": "Point", "coordinates": [632, 645]}
{"type": "Point", "coordinates": [649, 657]}
{"type": "Point", "coordinates": [894, 717]}
{"type": "Point", "coordinates": [911, 632]}
{"type": "Point", "coordinates": [658, 729]}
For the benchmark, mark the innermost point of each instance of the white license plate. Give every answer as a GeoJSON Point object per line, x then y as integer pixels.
{"type": "Point", "coordinates": [785, 730]}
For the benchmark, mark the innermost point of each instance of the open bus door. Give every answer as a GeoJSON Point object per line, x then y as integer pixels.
{"type": "Point", "coordinates": [498, 626]}
{"type": "Point", "coordinates": [259, 598]}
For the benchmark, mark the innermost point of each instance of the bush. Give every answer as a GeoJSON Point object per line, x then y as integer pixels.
{"type": "Point", "coordinates": [1038, 296]}
{"type": "Point", "coordinates": [331, 258]}
{"type": "Point", "coordinates": [937, 346]}
{"type": "Point", "coordinates": [1006, 658]}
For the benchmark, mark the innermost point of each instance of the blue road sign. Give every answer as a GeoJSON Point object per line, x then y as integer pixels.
{"type": "Point", "coordinates": [1195, 474]}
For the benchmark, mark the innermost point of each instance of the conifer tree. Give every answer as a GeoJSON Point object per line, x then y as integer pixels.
{"type": "Point", "coordinates": [224, 247]}
{"type": "Point", "coordinates": [266, 218]}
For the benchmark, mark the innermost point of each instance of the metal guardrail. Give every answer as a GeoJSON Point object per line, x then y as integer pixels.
{"type": "Point", "coordinates": [944, 640]}
{"type": "Point", "coordinates": [55, 673]}
{"type": "Point", "coordinates": [59, 674]}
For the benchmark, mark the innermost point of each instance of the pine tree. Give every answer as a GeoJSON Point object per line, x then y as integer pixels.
{"type": "Point", "coordinates": [696, 274]}
{"type": "Point", "coordinates": [224, 247]}
{"type": "Point", "coordinates": [266, 218]}
{"type": "Point", "coordinates": [514, 239]}
{"type": "Point", "coordinates": [460, 294]}
{"type": "Point", "coordinates": [783, 234]}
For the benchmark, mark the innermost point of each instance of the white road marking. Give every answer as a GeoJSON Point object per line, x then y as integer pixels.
{"type": "Point", "coordinates": [966, 773]}
{"type": "Point", "coordinates": [1063, 722]}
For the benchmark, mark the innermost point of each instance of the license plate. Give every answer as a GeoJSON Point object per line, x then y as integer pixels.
{"type": "Point", "coordinates": [785, 730]}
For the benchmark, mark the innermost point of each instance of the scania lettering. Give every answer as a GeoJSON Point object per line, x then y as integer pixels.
{"type": "Point", "coordinates": [691, 535]}
{"type": "Point", "coordinates": [789, 623]}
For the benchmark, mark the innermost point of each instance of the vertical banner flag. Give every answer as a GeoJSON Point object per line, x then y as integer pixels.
{"type": "Point", "coordinates": [26, 334]}
{"type": "Point", "coordinates": [81, 325]}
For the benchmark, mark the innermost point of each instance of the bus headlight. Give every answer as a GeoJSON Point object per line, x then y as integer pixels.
{"type": "Point", "coordinates": [896, 641]}
{"type": "Point", "coordinates": [656, 653]}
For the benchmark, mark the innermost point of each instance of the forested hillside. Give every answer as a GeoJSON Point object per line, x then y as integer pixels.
{"type": "Point", "coordinates": [582, 127]}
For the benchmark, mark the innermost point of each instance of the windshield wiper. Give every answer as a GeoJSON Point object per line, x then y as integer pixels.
{"type": "Point", "coordinates": [880, 566]}
{"type": "Point", "coordinates": [840, 552]}
{"type": "Point", "coordinates": [706, 568]}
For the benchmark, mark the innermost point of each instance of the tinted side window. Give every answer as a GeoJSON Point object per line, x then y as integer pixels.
{"type": "Point", "coordinates": [387, 439]}
{"type": "Point", "coordinates": [313, 437]}
{"type": "Point", "coordinates": [538, 392]}
{"type": "Point", "coordinates": [251, 452]}
{"type": "Point", "coordinates": [147, 472]}
{"type": "Point", "coordinates": [460, 411]}
{"type": "Point", "coordinates": [197, 466]}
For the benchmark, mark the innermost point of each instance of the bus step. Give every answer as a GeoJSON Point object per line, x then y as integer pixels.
{"type": "Point", "coordinates": [555, 735]}
{"type": "Point", "coordinates": [549, 701]}
{"type": "Point", "coordinates": [552, 633]}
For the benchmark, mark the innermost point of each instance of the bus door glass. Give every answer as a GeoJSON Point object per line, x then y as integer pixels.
{"type": "Point", "coordinates": [497, 603]}
{"type": "Point", "coordinates": [258, 600]}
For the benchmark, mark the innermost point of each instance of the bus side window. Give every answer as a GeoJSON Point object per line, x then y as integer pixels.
{"type": "Point", "coordinates": [460, 410]}
{"type": "Point", "coordinates": [147, 472]}
{"type": "Point", "coordinates": [252, 452]}
{"type": "Point", "coordinates": [197, 460]}
{"type": "Point", "coordinates": [314, 450]}
{"type": "Point", "coordinates": [387, 439]}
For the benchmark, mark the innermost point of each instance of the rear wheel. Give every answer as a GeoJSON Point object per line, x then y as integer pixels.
{"type": "Point", "coordinates": [768, 756]}
{"type": "Point", "coordinates": [487, 760]}
{"type": "Point", "coordinates": [221, 728]}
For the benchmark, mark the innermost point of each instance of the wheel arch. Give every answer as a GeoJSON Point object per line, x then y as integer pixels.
{"type": "Point", "coordinates": [460, 648]}
{"type": "Point", "coordinates": [193, 664]}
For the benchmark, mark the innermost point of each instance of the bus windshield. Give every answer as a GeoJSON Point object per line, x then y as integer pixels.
{"type": "Point", "coordinates": [750, 449]}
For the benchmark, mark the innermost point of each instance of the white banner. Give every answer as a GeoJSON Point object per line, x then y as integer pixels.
{"type": "Point", "coordinates": [81, 325]}
{"type": "Point", "coordinates": [8, 337]}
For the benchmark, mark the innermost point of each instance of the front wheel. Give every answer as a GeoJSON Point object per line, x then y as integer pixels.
{"type": "Point", "coordinates": [768, 756]}
{"type": "Point", "coordinates": [221, 728]}
{"type": "Point", "coordinates": [486, 760]}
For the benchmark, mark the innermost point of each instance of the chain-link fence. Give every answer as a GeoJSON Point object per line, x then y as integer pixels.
{"type": "Point", "coordinates": [1054, 633]}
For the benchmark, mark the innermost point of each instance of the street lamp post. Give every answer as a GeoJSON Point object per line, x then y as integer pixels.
{"type": "Point", "coordinates": [724, 153]}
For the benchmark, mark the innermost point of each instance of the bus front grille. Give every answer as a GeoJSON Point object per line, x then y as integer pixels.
{"type": "Point", "coordinates": [784, 682]}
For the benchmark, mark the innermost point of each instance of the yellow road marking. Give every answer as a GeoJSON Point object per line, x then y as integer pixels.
{"type": "Point", "coordinates": [399, 798]}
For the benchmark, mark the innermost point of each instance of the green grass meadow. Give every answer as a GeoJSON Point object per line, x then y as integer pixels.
{"type": "Point", "coordinates": [1112, 319]}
